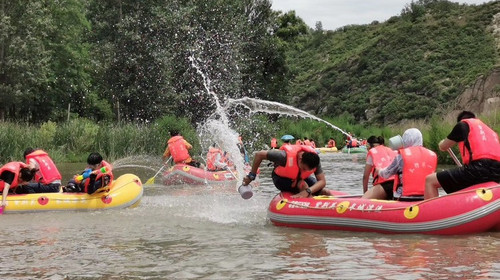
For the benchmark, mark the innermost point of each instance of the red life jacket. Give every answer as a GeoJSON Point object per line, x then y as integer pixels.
{"type": "Point", "coordinates": [482, 140]}
{"type": "Point", "coordinates": [14, 167]}
{"type": "Point", "coordinates": [382, 157]}
{"type": "Point", "coordinates": [274, 143]}
{"type": "Point", "coordinates": [48, 172]}
{"type": "Point", "coordinates": [100, 175]}
{"type": "Point", "coordinates": [212, 157]}
{"type": "Point", "coordinates": [291, 169]}
{"type": "Point", "coordinates": [418, 162]}
{"type": "Point", "coordinates": [178, 149]}
{"type": "Point", "coordinates": [354, 142]}
{"type": "Point", "coordinates": [331, 144]}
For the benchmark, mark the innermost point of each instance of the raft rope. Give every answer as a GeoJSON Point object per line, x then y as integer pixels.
{"type": "Point", "coordinates": [284, 200]}
{"type": "Point", "coordinates": [135, 181]}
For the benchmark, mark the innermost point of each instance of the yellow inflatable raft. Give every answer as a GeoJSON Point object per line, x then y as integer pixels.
{"type": "Point", "coordinates": [125, 191]}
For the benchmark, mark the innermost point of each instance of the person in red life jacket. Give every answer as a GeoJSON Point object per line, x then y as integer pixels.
{"type": "Point", "coordinates": [480, 150]}
{"type": "Point", "coordinates": [12, 175]}
{"type": "Point", "coordinates": [353, 143]}
{"type": "Point", "coordinates": [306, 142]}
{"type": "Point", "coordinates": [313, 144]}
{"type": "Point", "coordinates": [98, 174]}
{"type": "Point", "coordinates": [274, 143]}
{"type": "Point", "coordinates": [297, 170]}
{"type": "Point", "coordinates": [47, 177]}
{"type": "Point", "coordinates": [412, 164]}
{"type": "Point", "coordinates": [378, 156]}
{"type": "Point", "coordinates": [178, 148]}
{"type": "Point", "coordinates": [331, 143]}
{"type": "Point", "coordinates": [216, 161]}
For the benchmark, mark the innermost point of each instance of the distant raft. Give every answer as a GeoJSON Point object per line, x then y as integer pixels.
{"type": "Point", "coordinates": [355, 150]}
{"type": "Point", "coordinates": [125, 191]}
{"type": "Point", "coordinates": [473, 210]}
{"type": "Point", "coordinates": [324, 150]}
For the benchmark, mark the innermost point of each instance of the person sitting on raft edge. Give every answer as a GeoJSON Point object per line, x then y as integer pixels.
{"type": "Point", "coordinates": [294, 168]}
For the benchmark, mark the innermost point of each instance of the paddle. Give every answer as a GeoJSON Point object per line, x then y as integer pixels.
{"type": "Point", "coordinates": [151, 180]}
{"type": "Point", "coordinates": [454, 157]}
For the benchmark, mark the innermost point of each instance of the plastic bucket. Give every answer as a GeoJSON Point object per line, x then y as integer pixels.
{"type": "Point", "coordinates": [245, 191]}
{"type": "Point", "coordinates": [396, 142]}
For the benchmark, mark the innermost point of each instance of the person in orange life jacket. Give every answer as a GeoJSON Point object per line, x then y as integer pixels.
{"type": "Point", "coordinates": [178, 147]}
{"type": "Point", "coordinates": [331, 143]}
{"type": "Point", "coordinates": [412, 164]}
{"type": "Point", "coordinates": [294, 168]}
{"type": "Point", "coordinates": [378, 156]}
{"type": "Point", "coordinates": [274, 143]}
{"type": "Point", "coordinates": [216, 160]}
{"type": "Point", "coordinates": [47, 177]}
{"type": "Point", "coordinates": [12, 175]}
{"type": "Point", "coordinates": [480, 151]}
{"type": "Point", "coordinates": [98, 174]}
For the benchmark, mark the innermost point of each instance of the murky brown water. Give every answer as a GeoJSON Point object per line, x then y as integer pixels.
{"type": "Point", "coordinates": [179, 233]}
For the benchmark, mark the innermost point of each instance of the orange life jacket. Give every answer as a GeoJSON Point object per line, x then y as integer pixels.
{"type": "Point", "coordinates": [418, 162]}
{"type": "Point", "coordinates": [331, 144]}
{"type": "Point", "coordinates": [100, 175]}
{"type": "Point", "coordinates": [178, 149]}
{"type": "Point", "coordinates": [274, 143]}
{"type": "Point", "coordinates": [291, 169]}
{"type": "Point", "coordinates": [212, 157]}
{"type": "Point", "coordinates": [14, 167]}
{"type": "Point", "coordinates": [382, 157]}
{"type": "Point", "coordinates": [48, 172]}
{"type": "Point", "coordinates": [482, 140]}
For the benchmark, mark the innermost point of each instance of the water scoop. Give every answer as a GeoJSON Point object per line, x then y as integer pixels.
{"type": "Point", "coordinates": [396, 142]}
{"type": "Point", "coordinates": [245, 191]}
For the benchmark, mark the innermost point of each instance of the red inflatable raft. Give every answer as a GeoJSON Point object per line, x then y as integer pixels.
{"type": "Point", "coordinates": [473, 210]}
{"type": "Point", "coordinates": [187, 174]}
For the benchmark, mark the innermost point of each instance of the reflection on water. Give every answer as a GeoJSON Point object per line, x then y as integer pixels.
{"type": "Point", "coordinates": [180, 232]}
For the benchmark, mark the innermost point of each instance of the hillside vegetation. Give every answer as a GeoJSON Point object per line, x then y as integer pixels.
{"type": "Point", "coordinates": [410, 67]}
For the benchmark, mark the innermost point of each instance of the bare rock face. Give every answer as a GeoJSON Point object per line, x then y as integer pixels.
{"type": "Point", "coordinates": [482, 98]}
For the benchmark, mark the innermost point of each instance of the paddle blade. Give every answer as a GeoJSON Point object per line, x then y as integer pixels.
{"type": "Point", "coordinates": [150, 181]}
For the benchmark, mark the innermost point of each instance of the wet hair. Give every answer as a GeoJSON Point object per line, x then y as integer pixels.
{"type": "Point", "coordinates": [465, 115]}
{"type": "Point", "coordinates": [94, 158]}
{"type": "Point", "coordinates": [310, 159]}
{"type": "Point", "coordinates": [27, 174]}
{"type": "Point", "coordinates": [174, 133]}
{"type": "Point", "coordinates": [28, 151]}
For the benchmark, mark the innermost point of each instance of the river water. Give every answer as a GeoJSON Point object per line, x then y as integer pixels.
{"type": "Point", "coordinates": [182, 232]}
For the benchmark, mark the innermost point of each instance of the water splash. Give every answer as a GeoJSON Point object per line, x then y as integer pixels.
{"type": "Point", "coordinates": [216, 128]}
{"type": "Point", "coordinates": [271, 107]}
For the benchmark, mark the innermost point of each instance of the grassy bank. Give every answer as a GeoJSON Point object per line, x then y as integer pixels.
{"type": "Point", "coordinates": [72, 141]}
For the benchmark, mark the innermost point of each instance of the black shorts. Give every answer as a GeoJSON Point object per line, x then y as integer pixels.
{"type": "Point", "coordinates": [388, 187]}
{"type": "Point", "coordinates": [476, 172]}
{"type": "Point", "coordinates": [285, 184]}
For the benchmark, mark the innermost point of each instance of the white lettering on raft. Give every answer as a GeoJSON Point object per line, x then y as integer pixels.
{"type": "Point", "coordinates": [298, 204]}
